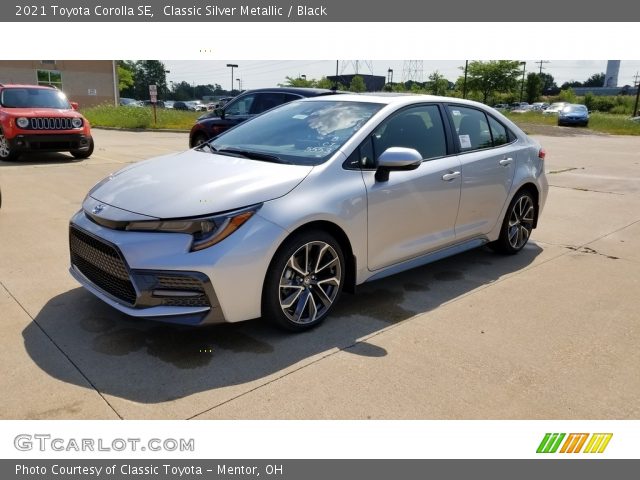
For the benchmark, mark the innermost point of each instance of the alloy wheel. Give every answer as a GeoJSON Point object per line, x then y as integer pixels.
{"type": "Point", "coordinates": [520, 222]}
{"type": "Point", "coordinates": [4, 147]}
{"type": "Point", "coordinates": [310, 282]}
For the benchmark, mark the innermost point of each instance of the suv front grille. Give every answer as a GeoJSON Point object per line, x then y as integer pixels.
{"type": "Point", "coordinates": [102, 264]}
{"type": "Point", "coordinates": [50, 123]}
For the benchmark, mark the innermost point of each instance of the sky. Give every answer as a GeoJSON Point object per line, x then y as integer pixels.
{"type": "Point", "coordinates": [269, 73]}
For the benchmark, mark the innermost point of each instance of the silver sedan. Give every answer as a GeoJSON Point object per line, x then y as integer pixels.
{"type": "Point", "coordinates": [278, 216]}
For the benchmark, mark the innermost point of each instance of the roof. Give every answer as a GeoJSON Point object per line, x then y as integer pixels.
{"type": "Point", "coordinates": [19, 85]}
{"type": "Point", "coordinates": [394, 98]}
{"type": "Point", "coordinates": [307, 92]}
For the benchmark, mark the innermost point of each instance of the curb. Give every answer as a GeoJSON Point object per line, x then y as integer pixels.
{"type": "Point", "coordinates": [141, 130]}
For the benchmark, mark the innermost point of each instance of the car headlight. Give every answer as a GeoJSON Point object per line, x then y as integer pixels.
{"type": "Point", "coordinates": [22, 122]}
{"type": "Point", "coordinates": [206, 231]}
{"type": "Point", "coordinates": [76, 122]}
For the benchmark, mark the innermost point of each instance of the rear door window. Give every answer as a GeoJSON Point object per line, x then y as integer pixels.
{"type": "Point", "coordinates": [471, 128]}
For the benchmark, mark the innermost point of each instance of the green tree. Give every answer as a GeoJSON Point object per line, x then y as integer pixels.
{"type": "Point", "coordinates": [487, 78]}
{"type": "Point", "coordinates": [149, 72]}
{"type": "Point", "coordinates": [534, 87]}
{"type": "Point", "coordinates": [298, 82]}
{"type": "Point", "coordinates": [568, 96]}
{"type": "Point", "coordinates": [126, 71]}
{"type": "Point", "coordinates": [437, 84]}
{"type": "Point", "coordinates": [595, 80]}
{"type": "Point", "coordinates": [548, 82]}
{"type": "Point", "coordinates": [357, 84]}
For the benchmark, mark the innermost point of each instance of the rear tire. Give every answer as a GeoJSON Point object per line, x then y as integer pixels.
{"type": "Point", "coordinates": [517, 224]}
{"type": "Point", "coordinates": [304, 281]}
{"type": "Point", "coordinates": [81, 154]}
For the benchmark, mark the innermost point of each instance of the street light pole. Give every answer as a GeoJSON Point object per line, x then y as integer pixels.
{"type": "Point", "coordinates": [239, 84]}
{"type": "Point", "coordinates": [232, 65]}
{"type": "Point", "coordinates": [524, 67]}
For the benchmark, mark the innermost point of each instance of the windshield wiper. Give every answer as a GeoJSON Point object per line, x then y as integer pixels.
{"type": "Point", "coordinates": [251, 155]}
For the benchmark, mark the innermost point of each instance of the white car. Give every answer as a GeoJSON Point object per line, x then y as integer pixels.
{"type": "Point", "coordinates": [278, 216]}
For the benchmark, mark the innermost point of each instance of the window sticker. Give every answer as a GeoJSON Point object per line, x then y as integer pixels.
{"type": "Point", "coordinates": [465, 141]}
{"type": "Point", "coordinates": [455, 113]}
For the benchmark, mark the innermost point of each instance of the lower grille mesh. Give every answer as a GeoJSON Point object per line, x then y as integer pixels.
{"type": "Point", "coordinates": [101, 264]}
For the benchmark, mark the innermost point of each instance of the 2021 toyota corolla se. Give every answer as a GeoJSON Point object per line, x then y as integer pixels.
{"type": "Point", "coordinates": [276, 217]}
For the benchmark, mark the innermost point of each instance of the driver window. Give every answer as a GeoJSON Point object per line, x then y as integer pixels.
{"type": "Point", "coordinates": [241, 106]}
{"type": "Point", "coordinates": [419, 128]}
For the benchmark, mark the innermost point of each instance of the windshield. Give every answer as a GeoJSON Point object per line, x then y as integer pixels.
{"type": "Point", "coordinates": [302, 133]}
{"type": "Point", "coordinates": [33, 98]}
{"type": "Point", "coordinates": [575, 108]}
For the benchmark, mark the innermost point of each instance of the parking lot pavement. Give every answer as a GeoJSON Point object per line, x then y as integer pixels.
{"type": "Point", "coordinates": [549, 333]}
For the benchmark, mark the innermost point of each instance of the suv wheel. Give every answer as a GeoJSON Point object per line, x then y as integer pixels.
{"type": "Point", "coordinates": [304, 281]}
{"type": "Point", "coordinates": [199, 139]}
{"type": "Point", "coordinates": [80, 154]}
{"type": "Point", "coordinates": [5, 150]}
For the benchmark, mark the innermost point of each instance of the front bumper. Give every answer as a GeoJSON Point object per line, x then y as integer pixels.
{"type": "Point", "coordinates": [572, 121]}
{"type": "Point", "coordinates": [50, 142]}
{"type": "Point", "coordinates": [230, 274]}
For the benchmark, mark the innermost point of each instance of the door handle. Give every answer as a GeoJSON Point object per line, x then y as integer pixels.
{"type": "Point", "coordinates": [506, 161]}
{"type": "Point", "coordinates": [447, 177]}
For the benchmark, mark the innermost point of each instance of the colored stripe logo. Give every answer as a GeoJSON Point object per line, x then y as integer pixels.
{"type": "Point", "coordinates": [574, 443]}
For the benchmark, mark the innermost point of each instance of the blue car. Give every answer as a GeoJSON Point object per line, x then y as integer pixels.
{"type": "Point", "coordinates": [574, 114]}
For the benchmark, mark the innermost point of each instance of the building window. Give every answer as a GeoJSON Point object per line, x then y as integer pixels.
{"type": "Point", "coordinates": [48, 62]}
{"type": "Point", "coordinates": [51, 78]}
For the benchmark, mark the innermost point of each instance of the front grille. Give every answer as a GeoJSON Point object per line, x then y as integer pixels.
{"type": "Point", "coordinates": [182, 283]}
{"type": "Point", "coordinates": [50, 123]}
{"type": "Point", "coordinates": [102, 264]}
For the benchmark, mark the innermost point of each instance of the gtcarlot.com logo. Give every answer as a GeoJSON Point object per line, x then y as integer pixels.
{"type": "Point", "coordinates": [574, 443]}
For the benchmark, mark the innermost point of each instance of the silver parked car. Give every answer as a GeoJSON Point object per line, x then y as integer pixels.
{"type": "Point", "coordinates": [279, 215]}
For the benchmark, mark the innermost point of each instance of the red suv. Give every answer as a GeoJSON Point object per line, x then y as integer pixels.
{"type": "Point", "coordinates": [39, 118]}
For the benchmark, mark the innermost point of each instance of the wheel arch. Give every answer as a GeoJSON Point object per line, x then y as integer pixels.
{"type": "Point", "coordinates": [343, 240]}
{"type": "Point", "coordinates": [532, 188]}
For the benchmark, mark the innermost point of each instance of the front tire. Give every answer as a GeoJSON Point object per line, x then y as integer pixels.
{"type": "Point", "coordinates": [6, 153]}
{"type": "Point", "coordinates": [304, 281]}
{"type": "Point", "coordinates": [198, 139]}
{"type": "Point", "coordinates": [82, 154]}
{"type": "Point", "coordinates": [517, 225]}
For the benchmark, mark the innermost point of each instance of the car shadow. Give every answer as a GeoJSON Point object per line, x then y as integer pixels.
{"type": "Point", "coordinates": [47, 158]}
{"type": "Point", "coordinates": [151, 362]}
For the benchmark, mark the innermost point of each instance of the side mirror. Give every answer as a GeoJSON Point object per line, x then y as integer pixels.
{"type": "Point", "coordinates": [74, 105]}
{"type": "Point", "coordinates": [397, 159]}
{"type": "Point", "coordinates": [219, 112]}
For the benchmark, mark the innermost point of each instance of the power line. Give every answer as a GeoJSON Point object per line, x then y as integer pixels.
{"type": "Point", "coordinates": [541, 62]}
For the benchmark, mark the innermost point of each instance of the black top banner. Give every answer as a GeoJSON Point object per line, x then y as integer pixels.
{"type": "Point", "coordinates": [321, 11]}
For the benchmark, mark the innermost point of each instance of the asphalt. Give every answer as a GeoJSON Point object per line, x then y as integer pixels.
{"type": "Point", "coordinates": [551, 333]}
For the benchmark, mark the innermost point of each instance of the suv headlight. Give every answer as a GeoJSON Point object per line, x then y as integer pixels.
{"type": "Point", "coordinates": [22, 122]}
{"type": "Point", "coordinates": [76, 122]}
{"type": "Point", "coordinates": [206, 231]}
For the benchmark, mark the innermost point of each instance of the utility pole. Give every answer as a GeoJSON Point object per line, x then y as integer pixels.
{"type": "Point", "coordinates": [540, 62]}
{"type": "Point", "coordinates": [464, 85]}
{"type": "Point", "coordinates": [524, 67]}
{"type": "Point", "coordinates": [635, 108]}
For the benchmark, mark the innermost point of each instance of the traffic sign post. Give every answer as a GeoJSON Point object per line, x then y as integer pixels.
{"type": "Point", "coordinates": [153, 96]}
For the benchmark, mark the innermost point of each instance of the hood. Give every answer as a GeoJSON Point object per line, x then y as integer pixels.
{"type": "Point", "coordinates": [42, 112]}
{"type": "Point", "coordinates": [196, 183]}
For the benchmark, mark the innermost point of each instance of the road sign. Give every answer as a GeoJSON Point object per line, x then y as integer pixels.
{"type": "Point", "coordinates": [153, 90]}
{"type": "Point", "coordinates": [153, 98]}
